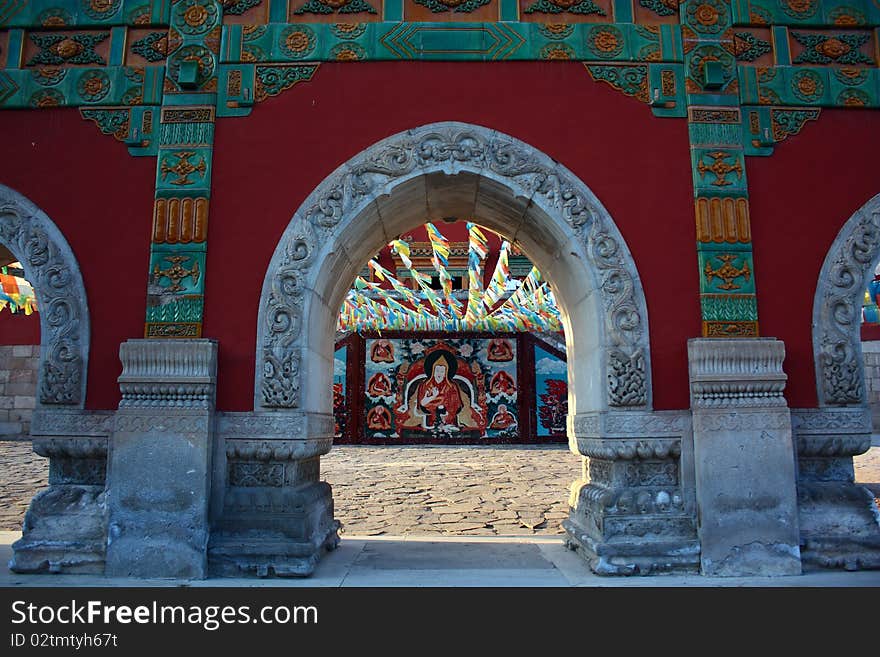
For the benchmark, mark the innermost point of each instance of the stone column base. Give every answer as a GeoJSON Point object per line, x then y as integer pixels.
{"type": "Point", "coordinates": [65, 531]}
{"type": "Point", "coordinates": [629, 557]}
{"type": "Point", "coordinates": [840, 526]}
{"type": "Point", "coordinates": [273, 531]}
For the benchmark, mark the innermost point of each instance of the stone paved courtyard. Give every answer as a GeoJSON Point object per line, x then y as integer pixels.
{"type": "Point", "coordinates": [395, 491]}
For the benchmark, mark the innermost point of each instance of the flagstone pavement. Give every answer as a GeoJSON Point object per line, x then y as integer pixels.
{"type": "Point", "coordinates": [413, 490]}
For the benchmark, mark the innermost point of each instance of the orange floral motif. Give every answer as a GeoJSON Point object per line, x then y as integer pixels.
{"type": "Point", "coordinates": [807, 86]}
{"type": "Point", "coordinates": [606, 41]}
{"type": "Point", "coordinates": [557, 29]}
{"type": "Point", "coordinates": [557, 53]}
{"type": "Point", "coordinates": [846, 20]}
{"type": "Point", "coordinates": [833, 48]}
{"type": "Point", "coordinates": [801, 6]}
{"type": "Point", "coordinates": [706, 14]}
{"type": "Point", "coordinates": [93, 86]}
{"type": "Point", "coordinates": [346, 55]}
{"type": "Point", "coordinates": [297, 42]}
{"type": "Point", "coordinates": [67, 48]}
{"type": "Point", "coordinates": [53, 21]}
{"type": "Point", "coordinates": [101, 6]}
{"type": "Point", "coordinates": [195, 15]}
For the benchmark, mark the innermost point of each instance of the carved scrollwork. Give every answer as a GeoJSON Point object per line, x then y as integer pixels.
{"type": "Point", "coordinates": [837, 308]}
{"type": "Point", "coordinates": [628, 450]}
{"type": "Point", "coordinates": [280, 387]}
{"type": "Point", "coordinates": [51, 268]}
{"type": "Point", "coordinates": [447, 147]}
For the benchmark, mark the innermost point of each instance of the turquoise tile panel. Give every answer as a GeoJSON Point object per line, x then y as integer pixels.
{"type": "Point", "coordinates": [781, 46]}
{"type": "Point", "coordinates": [278, 11]}
{"type": "Point", "coordinates": [117, 46]}
{"type": "Point", "coordinates": [853, 87]}
{"type": "Point", "coordinates": [183, 169]}
{"type": "Point", "coordinates": [623, 11]}
{"type": "Point", "coordinates": [727, 272]}
{"type": "Point", "coordinates": [508, 10]}
{"type": "Point", "coordinates": [15, 49]}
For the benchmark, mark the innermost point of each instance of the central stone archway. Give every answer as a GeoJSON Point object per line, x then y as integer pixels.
{"type": "Point", "coordinates": [435, 171]}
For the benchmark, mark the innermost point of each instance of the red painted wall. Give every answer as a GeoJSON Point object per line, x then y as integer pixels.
{"type": "Point", "coordinates": [265, 165]}
{"type": "Point", "coordinates": [19, 328]}
{"type": "Point", "coordinates": [637, 165]}
{"type": "Point", "coordinates": [101, 199]}
{"type": "Point", "coordinates": [800, 198]}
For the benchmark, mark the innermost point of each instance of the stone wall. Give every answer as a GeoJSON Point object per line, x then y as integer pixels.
{"type": "Point", "coordinates": [871, 355]}
{"type": "Point", "coordinates": [18, 386]}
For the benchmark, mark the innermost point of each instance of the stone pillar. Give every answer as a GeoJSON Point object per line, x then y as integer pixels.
{"type": "Point", "coordinates": [743, 457]}
{"type": "Point", "coordinates": [839, 522]}
{"type": "Point", "coordinates": [277, 516]}
{"type": "Point", "coordinates": [65, 527]}
{"type": "Point", "coordinates": [633, 512]}
{"type": "Point", "coordinates": [160, 462]}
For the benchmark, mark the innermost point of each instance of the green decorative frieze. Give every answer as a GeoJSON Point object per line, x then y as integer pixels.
{"type": "Point", "coordinates": [186, 133]}
{"type": "Point", "coordinates": [350, 7]}
{"type": "Point", "coordinates": [238, 7]}
{"type": "Point", "coordinates": [748, 47]}
{"type": "Point", "coordinates": [464, 7]}
{"type": "Point", "coordinates": [631, 80]}
{"type": "Point", "coordinates": [109, 121]}
{"type": "Point", "coordinates": [551, 7]}
{"type": "Point", "coordinates": [661, 7]}
{"type": "Point", "coordinates": [175, 309]}
{"type": "Point", "coordinates": [57, 49]}
{"type": "Point", "coordinates": [729, 307]}
{"type": "Point", "coordinates": [832, 49]}
{"type": "Point", "coordinates": [152, 47]}
{"type": "Point", "coordinates": [272, 80]}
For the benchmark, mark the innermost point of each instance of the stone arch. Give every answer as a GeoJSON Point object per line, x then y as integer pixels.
{"type": "Point", "coordinates": [463, 170]}
{"type": "Point", "coordinates": [52, 269]}
{"type": "Point", "coordinates": [837, 350]}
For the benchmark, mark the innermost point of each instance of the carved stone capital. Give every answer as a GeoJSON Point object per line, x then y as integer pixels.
{"type": "Point", "coordinates": [276, 450]}
{"type": "Point", "coordinates": [71, 448]}
{"type": "Point", "coordinates": [64, 422]}
{"type": "Point", "coordinates": [730, 372]}
{"type": "Point", "coordinates": [629, 449]}
{"type": "Point", "coordinates": [635, 424]}
{"type": "Point", "coordinates": [168, 373]}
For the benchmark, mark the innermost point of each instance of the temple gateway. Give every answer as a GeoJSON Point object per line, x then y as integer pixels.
{"type": "Point", "coordinates": [235, 232]}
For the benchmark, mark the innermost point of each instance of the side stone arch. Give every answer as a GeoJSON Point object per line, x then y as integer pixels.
{"type": "Point", "coordinates": [299, 269]}
{"type": "Point", "coordinates": [837, 350]}
{"type": "Point", "coordinates": [52, 270]}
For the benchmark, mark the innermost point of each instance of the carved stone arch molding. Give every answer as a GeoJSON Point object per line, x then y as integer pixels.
{"type": "Point", "coordinates": [296, 280]}
{"type": "Point", "coordinates": [837, 349]}
{"type": "Point", "coordinates": [52, 270]}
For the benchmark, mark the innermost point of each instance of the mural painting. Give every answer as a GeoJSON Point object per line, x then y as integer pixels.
{"type": "Point", "coordinates": [340, 411]}
{"type": "Point", "coordinates": [440, 390]}
{"type": "Point", "coordinates": [551, 393]}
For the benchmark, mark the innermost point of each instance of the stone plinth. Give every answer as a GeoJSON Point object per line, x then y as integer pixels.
{"type": "Point", "coordinates": [632, 513]}
{"type": "Point", "coordinates": [65, 527]}
{"type": "Point", "coordinates": [160, 462]}
{"type": "Point", "coordinates": [276, 515]}
{"type": "Point", "coordinates": [743, 458]}
{"type": "Point", "coordinates": [839, 522]}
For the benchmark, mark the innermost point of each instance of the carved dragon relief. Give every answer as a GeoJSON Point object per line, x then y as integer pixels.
{"type": "Point", "coordinates": [837, 308]}
{"type": "Point", "coordinates": [64, 318]}
{"type": "Point", "coordinates": [451, 147]}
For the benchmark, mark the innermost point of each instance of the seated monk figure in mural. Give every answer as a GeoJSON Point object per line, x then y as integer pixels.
{"type": "Point", "coordinates": [499, 350]}
{"type": "Point", "coordinates": [379, 418]}
{"type": "Point", "coordinates": [379, 386]}
{"type": "Point", "coordinates": [438, 400]}
{"type": "Point", "coordinates": [382, 351]}
{"type": "Point", "coordinates": [502, 383]}
{"type": "Point", "coordinates": [502, 419]}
